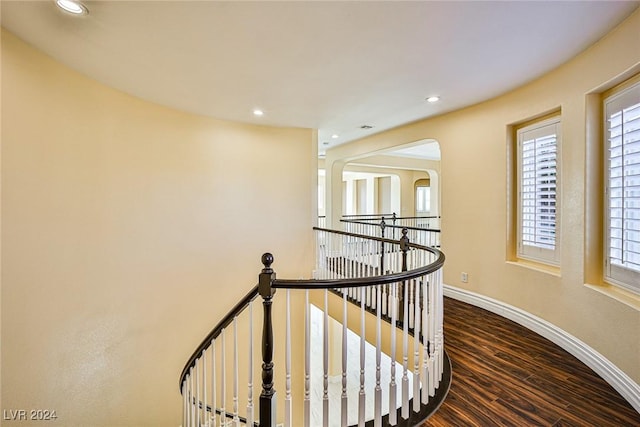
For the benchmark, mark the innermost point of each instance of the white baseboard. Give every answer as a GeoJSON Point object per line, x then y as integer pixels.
{"type": "Point", "coordinates": [620, 381]}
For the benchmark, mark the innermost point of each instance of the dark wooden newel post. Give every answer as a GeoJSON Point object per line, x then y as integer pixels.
{"type": "Point", "coordinates": [268, 395]}
{"type": "Point", "coordinates": [394, 225]}
{"type": "Point", "coordinates": [382, 227]}
{"type": "Point", "coordinates": [404, 247]}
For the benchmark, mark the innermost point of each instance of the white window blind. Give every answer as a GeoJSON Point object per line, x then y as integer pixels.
{"type": "Point", "coordinates": [622, 210]}
{"type": "Point", "coordinates": [538, 190]}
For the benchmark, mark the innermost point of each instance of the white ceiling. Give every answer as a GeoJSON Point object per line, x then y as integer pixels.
{"type": "Point", "coordinates": [426, 149]}
{"type": "Point", "coordinates": [334, 66]}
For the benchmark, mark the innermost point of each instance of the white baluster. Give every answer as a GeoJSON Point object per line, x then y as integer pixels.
{"type": "Point", "coordinates": [346, 260]}
{"type": "Point", "coordinates": [307, 352]}
{"type": "Point", "coordinates": [287, 400]}
{"type": "Point", "coordinates": [385, 303]}
{"type": "Point", "coordinates": [432, 349]}
{"type": "Point", "coordinates": [357, 266]}
{"type": "Point", "coordinates": [344, 410]}
{"type": "Point", "coordinates": [364, 260]}
{"type": "Point", "coordinates": [250, 376]}
{"type": "Point", "coordinates": [236, 418]}
{"type": "Point", "coordinates": [223, 389]}
{"type": "Point", "coordinates": [393, 416]}
{"type": "Point", "coordinates": [332, 264]}
{"type": "Point", "coordinates": [183, 390]}
{"type": "Point", "coordinates": [191, 400]}
{"type": "Point", "coordinates": [405, 353]}
{"type": "Point", "coordinates": [324, 253]}
{"type": "Point", "coordinates": [198, 400]}
{"type": "Point", "coordinates": [411, 312]}
{"type": "Point", "coordinates": [362, 396]}
{"type": "Point", "coordinates": [325, 362]}
{"type": "Point", "coordinates": [368, 297]}
{"type": "Point", "coordinates": [367, 263]}
{"type": "Point", "coordinates": [374, 297]}
{"type": "Point", "coordinates": [416, 350]}
{"type": "Point", "coordinates": [440, 326]}
{"type": "Point", "coordinates": [205, 415]}
{"type": "Point", "coordinates": [435, 340]}
{"type": "Point", "coordinates": [213, 383]}
{"type": "Point", "coordinates": [428, 280]}
{"type": "Point", "coordinates": [377, 420]}
{"type": "Point", "coordinates": [353, 257]}
{"type": "Point", "coordinates": [319, 251]}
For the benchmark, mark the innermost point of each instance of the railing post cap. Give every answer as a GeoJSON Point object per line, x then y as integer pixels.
{"type": "Point", "coordinates": [404, 240]}
{"type": "Point", "coordinates": [266, 277]}
{"type": "Point", "coordinates": [267, 260]}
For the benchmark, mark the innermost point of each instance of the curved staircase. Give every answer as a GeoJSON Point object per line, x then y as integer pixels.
{"type": "Point", "coordinates": [361, 343]}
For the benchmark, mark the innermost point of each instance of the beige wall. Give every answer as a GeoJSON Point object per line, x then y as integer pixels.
{"type": "Point", "coordinates": [128, 230]}
{"type": "Point", "coordinates": [475, 198]}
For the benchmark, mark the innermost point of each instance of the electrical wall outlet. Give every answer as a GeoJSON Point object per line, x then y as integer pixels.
{"type": "Point", "coordinates": [464, 277]}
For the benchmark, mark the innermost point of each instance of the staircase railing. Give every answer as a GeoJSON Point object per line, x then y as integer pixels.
{"type": "Point", "coordinates": [424, 230]}
{"type": "Point", "coordinates": [421, 221]}
{"type": "Point", "coordinates": [396, 284]}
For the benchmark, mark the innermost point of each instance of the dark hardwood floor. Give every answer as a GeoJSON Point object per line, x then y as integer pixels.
{"type": "Point", "coordinates": [506, 375]}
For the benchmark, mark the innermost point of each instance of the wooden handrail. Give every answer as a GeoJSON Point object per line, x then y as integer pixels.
{"type": "Point", "coordinates": [408, 227]}
{"type": "Point", "coordinates": [215, 332]}
{"type": "Point", "coordinates": [364, 281]}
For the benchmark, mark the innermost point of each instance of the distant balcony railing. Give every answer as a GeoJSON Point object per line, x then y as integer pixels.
{"type": "Point", "coordinates": [424, 230]}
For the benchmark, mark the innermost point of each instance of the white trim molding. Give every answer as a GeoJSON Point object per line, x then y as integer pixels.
{"type": "Point", "coordinates": [627, 387]}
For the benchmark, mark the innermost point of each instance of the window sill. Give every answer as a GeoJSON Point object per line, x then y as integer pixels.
{"type": "Point", "coordinates": [542, 268]}
{"type": "Point", "coordinates": [621, 295]}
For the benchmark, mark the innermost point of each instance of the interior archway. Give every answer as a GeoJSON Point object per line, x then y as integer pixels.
{"type": "Point", "coordinates": [363, 191]}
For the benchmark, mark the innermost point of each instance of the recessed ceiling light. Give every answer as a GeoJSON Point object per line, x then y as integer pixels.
{"type": "Point", "coordinates": [72, 6]}
{"type": "Point", "coordinates": [433, 99]}
{"type": "Point", "coordinates": [334, 136]}
{"type": "Point", "coordinates": [258, 113]}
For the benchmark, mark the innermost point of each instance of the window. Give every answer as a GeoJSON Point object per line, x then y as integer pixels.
{"type": "Point", "coordinates": [622, 188]}
{"type": "Point", "coordinates": [423, 199]}
{"type": "Point", "coordinates": [538, 221]}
